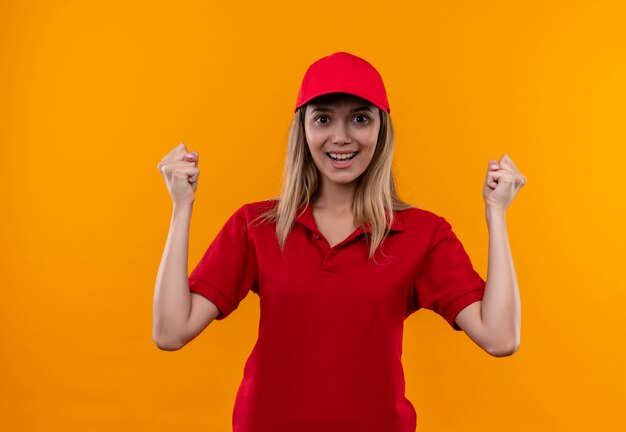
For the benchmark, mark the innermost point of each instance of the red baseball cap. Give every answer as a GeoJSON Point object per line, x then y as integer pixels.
{"type": "Point", "coordinates": [346, 73]}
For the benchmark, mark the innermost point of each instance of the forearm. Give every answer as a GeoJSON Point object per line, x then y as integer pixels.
{"type": "Point", "coordinates": [501, 309]}
{"type": "Point", "coordinates": [172, 299]}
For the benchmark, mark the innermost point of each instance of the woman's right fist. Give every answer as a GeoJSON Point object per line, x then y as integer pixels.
{"type": "Point", "coordinates": [180, 171]}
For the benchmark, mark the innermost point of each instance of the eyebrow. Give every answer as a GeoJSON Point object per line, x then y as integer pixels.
{"type": "Point", "coordinates": [322, 108]}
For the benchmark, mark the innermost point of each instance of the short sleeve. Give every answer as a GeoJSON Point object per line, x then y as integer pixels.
{"type": "Point", "coordinates": [227, 270]}
{"type": "Point", "coordinates": [447, 282]}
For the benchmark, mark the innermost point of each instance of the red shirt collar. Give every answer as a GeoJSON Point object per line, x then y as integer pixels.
{"type": "Point", "coordinates": [304, 216]}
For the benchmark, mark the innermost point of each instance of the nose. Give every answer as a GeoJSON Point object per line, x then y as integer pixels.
{"type": "Point", "coordinates": [341, 135]}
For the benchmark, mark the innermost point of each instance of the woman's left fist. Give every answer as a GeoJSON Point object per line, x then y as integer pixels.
{"type": "Point", "coordinates": [502, 183]}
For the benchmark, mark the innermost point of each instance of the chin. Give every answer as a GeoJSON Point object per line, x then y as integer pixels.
{"type": "Point", "coordinates": [342, 178]}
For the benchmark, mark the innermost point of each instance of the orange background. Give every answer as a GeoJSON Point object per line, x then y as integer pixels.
{"type": "Point", "coordinates": [93, 95]}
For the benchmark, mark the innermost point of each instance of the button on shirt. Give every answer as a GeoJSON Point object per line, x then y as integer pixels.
{"type": "Point", "coordinates": [328, 353]}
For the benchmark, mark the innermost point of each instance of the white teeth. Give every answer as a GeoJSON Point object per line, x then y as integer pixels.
{"type": "Point", "coordinates": [341, 156]}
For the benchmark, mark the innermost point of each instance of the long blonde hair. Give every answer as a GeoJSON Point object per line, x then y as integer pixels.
{"type": "Point", "coordinates": [375, 193]}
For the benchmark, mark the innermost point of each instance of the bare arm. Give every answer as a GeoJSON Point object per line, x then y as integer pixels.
{"type": "Point", "coordinates": [178, 315]}
{"type": "Point", "coordinates": [494, 323]}
{"type": "Point", "coordinates": [501, 306]}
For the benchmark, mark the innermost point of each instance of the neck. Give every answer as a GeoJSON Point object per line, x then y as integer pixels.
{"type": "Point", "coordinates": [335, 197]}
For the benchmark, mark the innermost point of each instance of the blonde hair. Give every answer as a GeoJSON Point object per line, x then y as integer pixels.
{"type": "Point", "coordinates": [375, 193]}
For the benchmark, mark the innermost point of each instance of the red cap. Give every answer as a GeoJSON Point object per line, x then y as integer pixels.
{"type": "Point", "coordinates": [346, 73]}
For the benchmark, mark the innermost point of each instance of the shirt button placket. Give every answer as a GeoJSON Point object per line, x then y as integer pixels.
{"type": "Point", "coordinates": [316, 236]}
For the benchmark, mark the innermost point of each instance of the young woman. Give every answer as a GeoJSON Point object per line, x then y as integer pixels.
{"type": "Point", "coordinates": [338, 261]}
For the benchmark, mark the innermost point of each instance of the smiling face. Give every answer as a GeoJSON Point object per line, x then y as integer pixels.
{"type": "Point", "coordinates": [341, 132]}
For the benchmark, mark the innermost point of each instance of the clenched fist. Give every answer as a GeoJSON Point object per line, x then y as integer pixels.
{"type": "Point", "coordinates": [180, 171]}
{"type": "Point", "coordinates": [502, 182]}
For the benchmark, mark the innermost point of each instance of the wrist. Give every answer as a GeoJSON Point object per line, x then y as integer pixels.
{"type": "Point", "coordinates": [492, 213]}
{"type": "Point", "coordinates": [185, 207]}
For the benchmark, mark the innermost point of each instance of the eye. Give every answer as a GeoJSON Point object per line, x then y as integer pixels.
{"type": "Point", "coordinates": [364, 116]}
{"type": "Point", "coordinates": [320, 116]}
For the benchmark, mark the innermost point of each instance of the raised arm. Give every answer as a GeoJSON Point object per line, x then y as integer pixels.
{"type": "Point", "coordinates": [495, 322]}
{"type": "Point", "coordinates": [178, 315]}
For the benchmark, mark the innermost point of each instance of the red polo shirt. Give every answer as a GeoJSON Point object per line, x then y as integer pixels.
{"type": "Point", "coordinates": [328, 354]}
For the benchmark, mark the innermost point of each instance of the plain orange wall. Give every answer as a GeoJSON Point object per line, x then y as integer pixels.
{"type": "Point", "coordinates": [94, 94]}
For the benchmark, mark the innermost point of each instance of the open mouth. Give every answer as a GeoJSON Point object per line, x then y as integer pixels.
{"type": "Point", "coordinates": [340, 158]}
